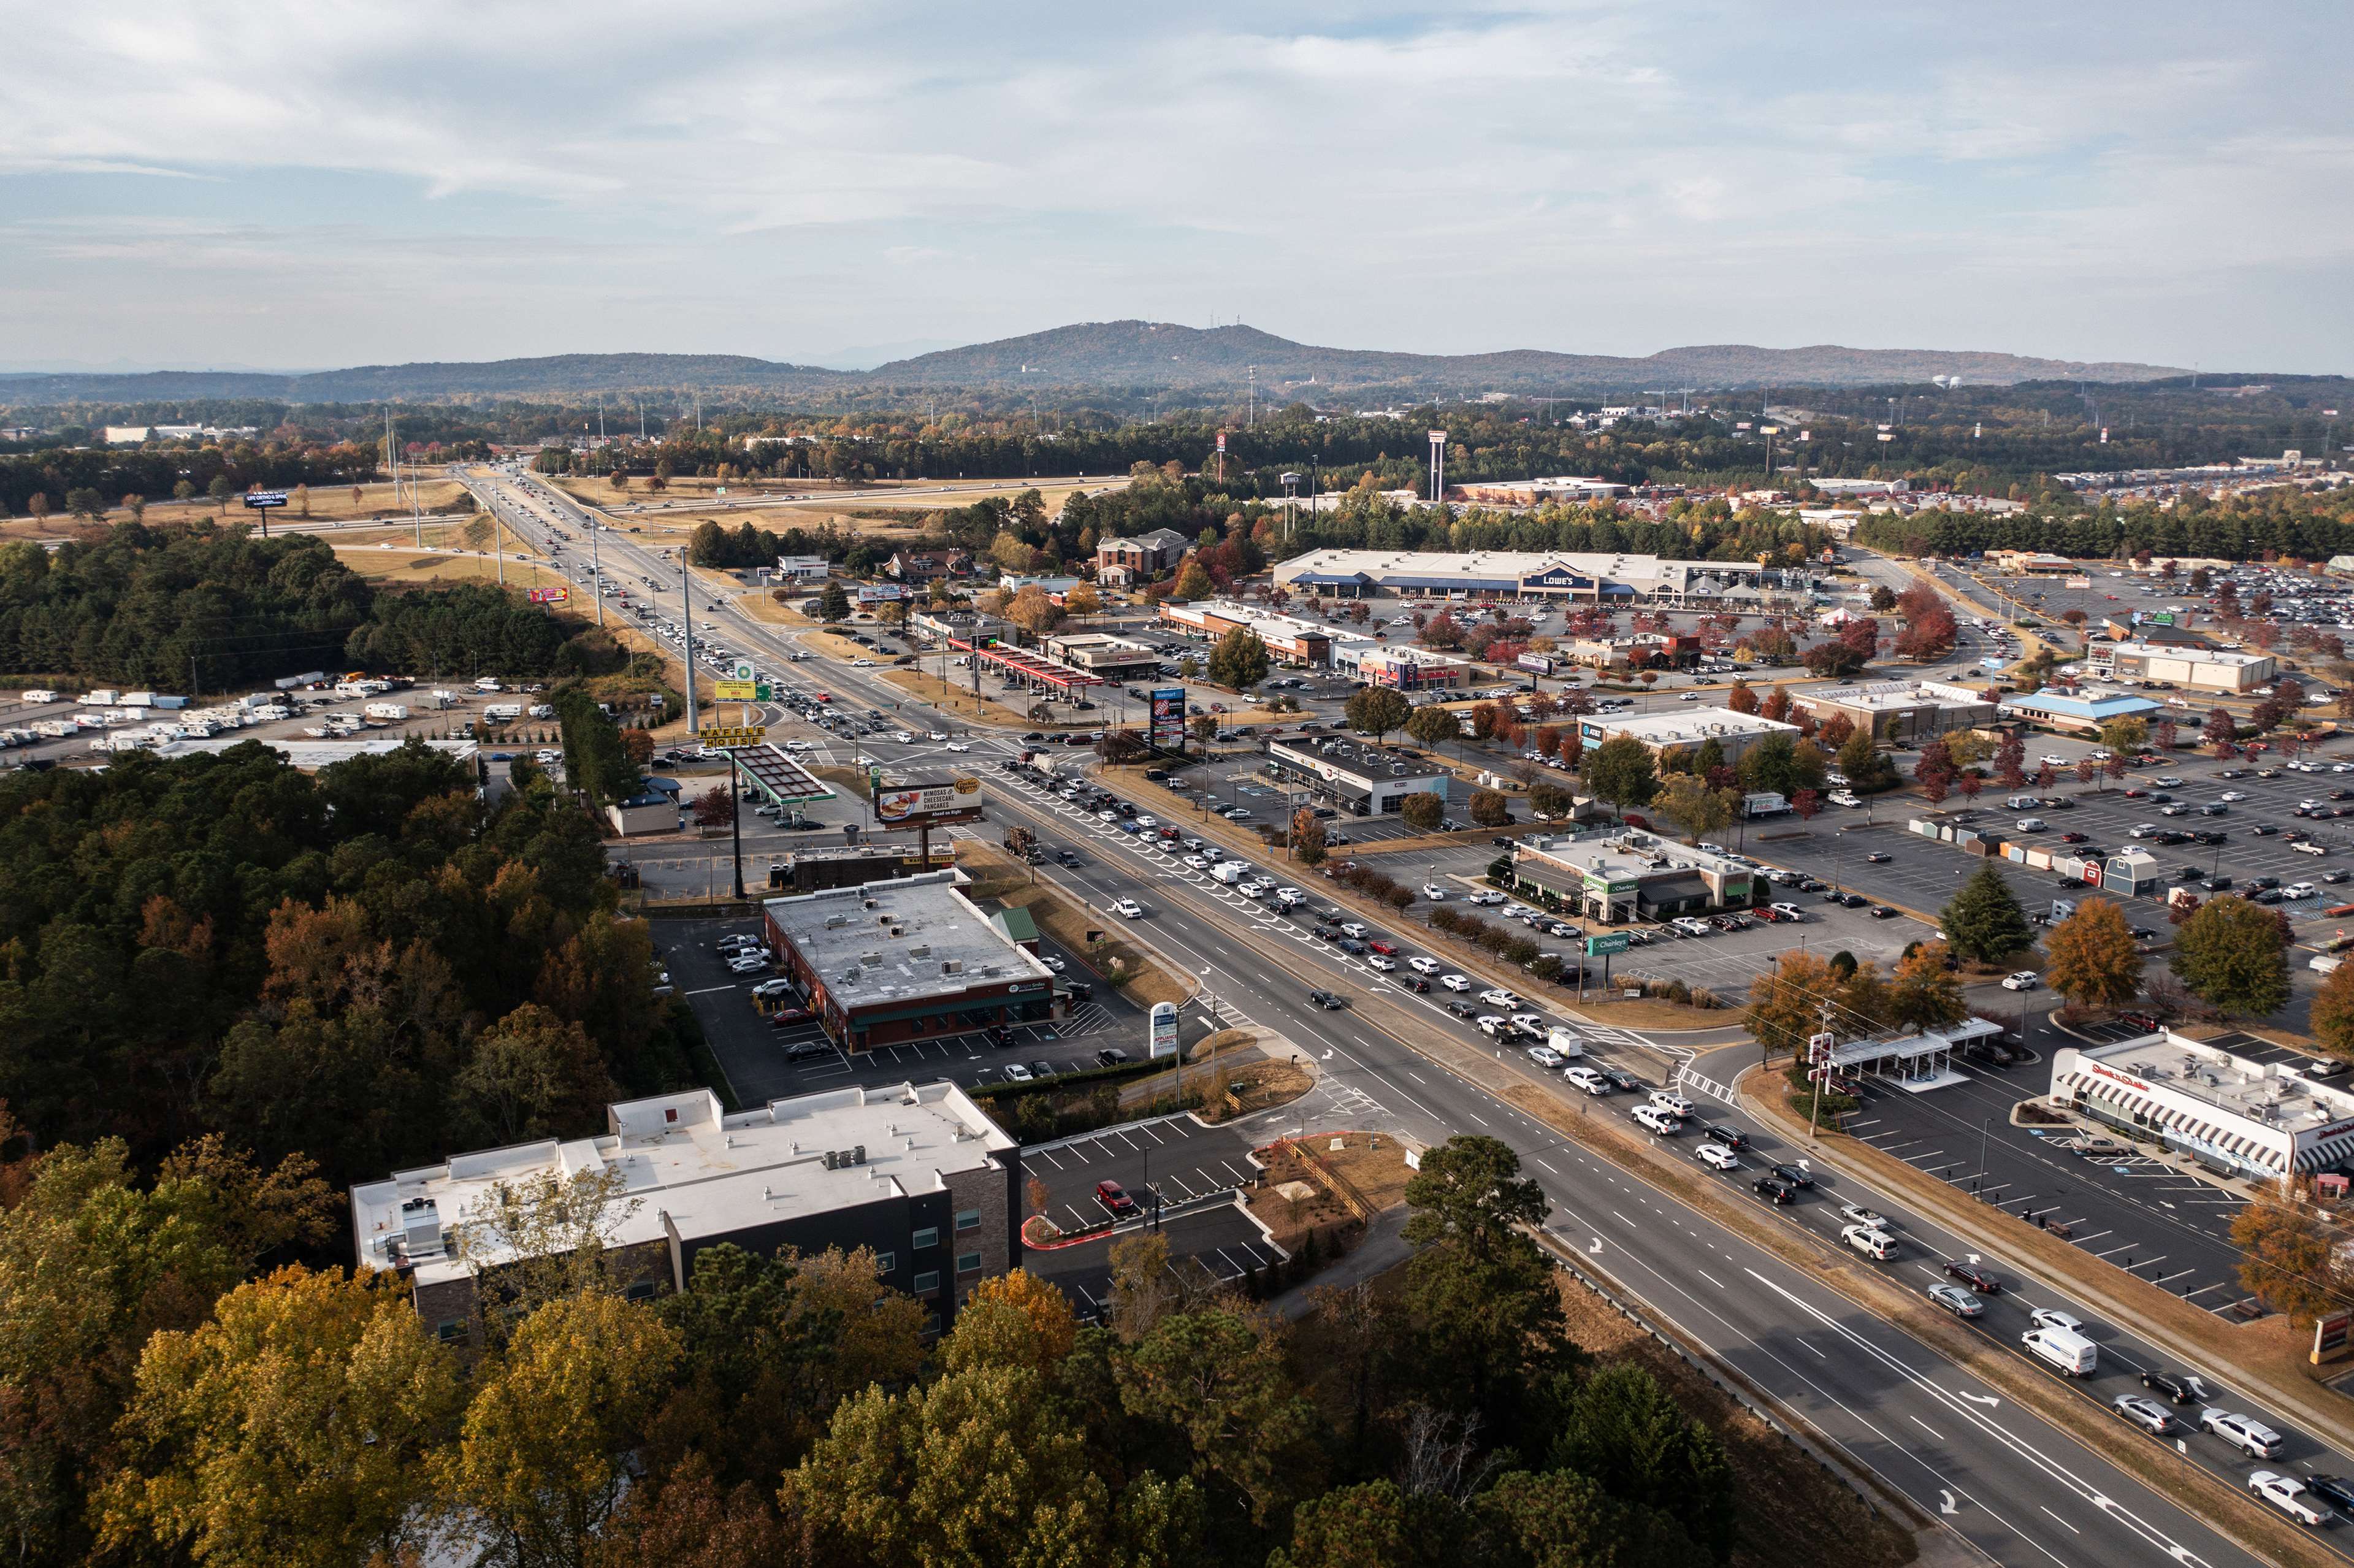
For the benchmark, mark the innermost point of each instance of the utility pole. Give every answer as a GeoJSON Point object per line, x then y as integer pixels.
{"type": "Point", "coordinates": [687, 637]}
{"type": "Point", "coordinates": [736, 825]}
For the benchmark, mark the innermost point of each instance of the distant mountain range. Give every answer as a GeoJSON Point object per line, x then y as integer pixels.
{"type": "Point", "coordinates": [1124, 357]}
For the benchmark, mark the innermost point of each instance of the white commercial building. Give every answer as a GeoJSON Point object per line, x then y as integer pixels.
{"type": "Point", "coordinates": [1577, 576]}
{"type": "Point", "coordinates": [2201, 669]}
{"type": "Point", "coordinates": [2245, 1118]}
{"type": "Point", "coordinates": [1684, 730]}
{"type": "Point", "coordinates": [1361, 779]}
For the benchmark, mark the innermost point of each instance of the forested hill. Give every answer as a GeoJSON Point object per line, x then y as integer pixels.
{"type": "Point", "coordinates": [1130, 356]}
{"type": "Point", "coordinates": [1158, 353]}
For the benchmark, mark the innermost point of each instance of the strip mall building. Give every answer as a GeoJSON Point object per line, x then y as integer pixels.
{"type": "Point", "coordinates": [2263, 1120]}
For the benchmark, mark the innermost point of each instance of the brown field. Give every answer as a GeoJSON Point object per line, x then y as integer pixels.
{"type": "Point", "coordinates": [330, 505]}
{"type": "Point", "coordinates": [866, 510]}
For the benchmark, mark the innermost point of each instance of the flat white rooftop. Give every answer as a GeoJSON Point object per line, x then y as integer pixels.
{"type": "Point", "coordinates": [1630, 854]}
{"type": "Point", "coordinates": [1691, 727]}
{"type": "Point", "coordinates": [680, 1158]}
{"type": "Point", "coordinates": [309, 755]}
{"type": "Point", "coordinates": [2272, 1094]}
{"type": "Point", "coordinates": [905, 939]}
{"type": "Point", "coordinates": [2188, 655]}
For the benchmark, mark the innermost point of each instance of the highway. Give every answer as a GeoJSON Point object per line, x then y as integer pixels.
{"type": "Point", "coordinates": [2017, 1488]}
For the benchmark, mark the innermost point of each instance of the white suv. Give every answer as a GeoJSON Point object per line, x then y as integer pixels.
{"type": "Point", "coordinates": [2242, 1432]}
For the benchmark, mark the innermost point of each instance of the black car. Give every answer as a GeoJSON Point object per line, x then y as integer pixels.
{"type": "Point", "coordinates": [2212, 837]}
{"type": "Point", "coordinates": [2182, 1388]}
{"type": "Point", "coordinates": [1774, 1189]}
{"type": "Point", "coordinates": [1111, 1056]}
{"type": "Point", "coordinates": [1795, 1175]}
{"type": "Point", "coordinates": [2263, 830]}
{"type": "Point", "coordinates": [799, 1049]}
{"type": "Point", "coordinates": [2263, 882]}
{"type": "Point", "coordinates": [1620, 1078]}
{"type": "Point", "coordinates": [1971, 1275]}
{"type": "Point", "coordinates": [2338, 1489]}
{"type": "Point", "coordinates": [1855, 900]}
{"type": "Point", "coordinates": [1883, 912]}
{"type": "Point", "coordinates": [1042, 1069]}
{"type": "Point", "coordinates": [1462, 1010]}
{"type": "Point", "coordinates": [2215, 884]}
{"type": "Point", "coordinates": [1327, 999]}
{"type": "Point", "coordinates": [1081, 991]}
{"type": "Point", "coordinates": [1724, 1133]}
{"type": "Point", "coordinates": [1417, 984]}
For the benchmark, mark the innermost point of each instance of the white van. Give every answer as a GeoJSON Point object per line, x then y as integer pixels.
{"type": "Point", "coordinates": [1230, 871]}
{"type": "Point", "coordinates": [2067, 1352]}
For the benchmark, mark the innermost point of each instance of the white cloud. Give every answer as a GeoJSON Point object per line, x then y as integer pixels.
{"type": "Point", "coordinates": [1591, 177]}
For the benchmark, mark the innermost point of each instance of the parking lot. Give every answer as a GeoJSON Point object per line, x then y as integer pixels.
{"type": "Point", "coordinates": [2260, 834]}
{"type": "Point", "coordinates": [2132, 1211]}
{"type": "Point", "coordinates": [759, 1059]}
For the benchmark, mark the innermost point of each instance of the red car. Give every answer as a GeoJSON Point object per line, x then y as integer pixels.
{"type": "Point", "coordinates": [1977, 1278]}
{"type": "Point", "coordinates": [786, 1017]}
{"type": "Point", "coordinates": [1114, 1197]}
{"type": "Point", "coordinates": [1386, 950]}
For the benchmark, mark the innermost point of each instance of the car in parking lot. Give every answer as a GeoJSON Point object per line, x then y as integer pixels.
{"type": "Point", "coordinates": [1017, 1072]}
{"type": "Point", "coordinates": [2024, 980]}
{"type": "Point", "coordinates": [2144, 1413]}
{"type": "Point", "coordinates": [1878, 857]}
{"type": "Point", "coordinates": [1957, 1300]}
{"type": "Point", "coordinates": [1111, 1056]}
{"type": "Point", "coordinates": [1115, 1199]}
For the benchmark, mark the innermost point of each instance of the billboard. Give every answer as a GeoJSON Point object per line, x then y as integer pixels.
{"type": "Point", "coordinates": [1164, 1029]}
{"type": "Point", "coordinates": [1167, 728]}
{"type": "Point", "coordinates": [927, 799]}
{"type": "Point", "coordinates": [735, 691]}
{"type": "Point", "coordinates": [1539, 663]}
{"type": "Point", "coordinates": [261, 500]}
{"type": "Point", "coordinates": [550, 595]}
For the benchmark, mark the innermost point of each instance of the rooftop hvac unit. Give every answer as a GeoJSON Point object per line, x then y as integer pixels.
{"type": "Point", "coordinates": [870, 960]}
{"type": "Point", "coordinates": [951, 966]}
{"type": "Point", "coordinates": [836, 922]}
{"type": "Point", "coordinates": [920, 950]}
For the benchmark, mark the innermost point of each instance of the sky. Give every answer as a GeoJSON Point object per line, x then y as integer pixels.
{"type": "Point", "coordinates": [322, 183]}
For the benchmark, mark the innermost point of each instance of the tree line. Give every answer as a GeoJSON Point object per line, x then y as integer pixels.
{"type": "Point", "coordinates": [55, 473]}
{"type": "Point", "coordinates": [214, 606]}
{"type": "Point", "coordinates": [2270, 525]}
{"type": "Point", "coordinates": [198, 1400]}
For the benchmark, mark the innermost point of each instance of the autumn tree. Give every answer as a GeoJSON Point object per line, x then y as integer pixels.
{"type": "Point", "coordinates": [715, 807]}
{"type": "Point", "coordinates": [1923, 993]}
{"type": "Point", "coordinates": [294, 1426]}
{"type": "Point", "coordinates": [2233, 955]}
{"type": "Point", "coordinates": [2090, 956]}
{"type": "Point", "coordinates": [1787, 1004]}
{"type": "Point", "coordinates": [539, 1465]}
{"type": "Point", "coordinates": [1423, 811]}
{"type": "Point", "coordinates": [1434, 726]}
{"type": "Point", "coordinates": [1239, 660]}
{"type": "Point", "coordinates": [1489, 809]}
{"type": "Point", "coordinates": [1621, 771]}
{"type": "Point", "coordinates": [2288, 1261]}
{"type": "Point", "coordinates": [2333, 1012]}
{"type": "Point", "coordinates": [532, 1074]}
{"type": "Point", "coordinates": [1691, 802]}
{"type": "Point", "coordinates": [1377, 711]}
{"type": "Point", "coordinates": [1742, 698]}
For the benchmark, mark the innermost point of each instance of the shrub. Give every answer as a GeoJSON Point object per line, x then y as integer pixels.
{"type": "Point", "coordinates": [1399, 898]}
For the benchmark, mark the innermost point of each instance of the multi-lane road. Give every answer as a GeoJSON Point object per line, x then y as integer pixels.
{"type": "Point", "coordinates": [2017, 1486]}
